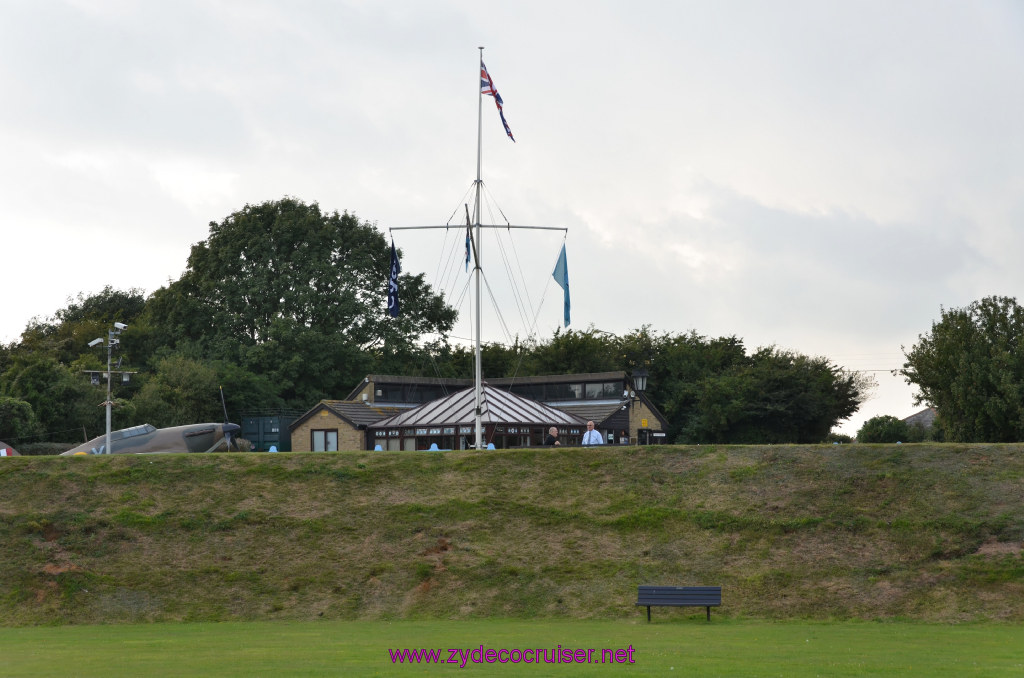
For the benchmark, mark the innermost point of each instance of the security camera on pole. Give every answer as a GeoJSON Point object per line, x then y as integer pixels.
{"type": "Point", "coordinates": [112, 341]}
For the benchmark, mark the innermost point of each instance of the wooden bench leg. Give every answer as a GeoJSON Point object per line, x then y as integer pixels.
{"type": "Point", "coordinates": [648, 614]}
{"type": "Point", "coordinates": [709, 613]}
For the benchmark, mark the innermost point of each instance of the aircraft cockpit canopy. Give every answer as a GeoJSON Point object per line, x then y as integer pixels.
{"type": "Point", "coordinates": [132, 432]}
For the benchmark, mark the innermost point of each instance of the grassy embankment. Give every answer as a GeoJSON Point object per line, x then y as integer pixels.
{"type": "Point", "coordinates": [924, 532]}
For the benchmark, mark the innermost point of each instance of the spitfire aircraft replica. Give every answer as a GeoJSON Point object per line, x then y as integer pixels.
{"type": "Point", "coordinates": [147, 439]}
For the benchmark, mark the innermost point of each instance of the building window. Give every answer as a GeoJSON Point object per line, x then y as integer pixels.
{"type": "Point", "coordinates": [603, 390]}
{"type": "Point", "coordinates": [389, 394]}
{"type": "Point", "coordinates": [564, 392]}
{"type": "Point", "coordinates": [531, 391]}
{"type": "Point", "coordinates": [325, 440]}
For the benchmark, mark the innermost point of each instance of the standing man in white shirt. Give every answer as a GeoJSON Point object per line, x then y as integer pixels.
{"type": "Point", "coordinates": [592, 437]}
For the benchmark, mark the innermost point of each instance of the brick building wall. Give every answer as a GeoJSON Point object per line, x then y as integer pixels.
{"type": "Point", "coordinates": [349, 438]}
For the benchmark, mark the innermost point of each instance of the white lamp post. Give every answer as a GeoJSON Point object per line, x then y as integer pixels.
{"type": "Point", "coordinates": [112, 341]}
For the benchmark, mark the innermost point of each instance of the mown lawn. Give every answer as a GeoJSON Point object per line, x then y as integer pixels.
{"type": "Point", "coordinates": [676, 644]}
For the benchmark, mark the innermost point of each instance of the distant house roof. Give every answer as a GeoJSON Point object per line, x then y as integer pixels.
{"type": "Point", "coordinates": [357, 413]}
{"type": "Point", "coordinates": [925, 418]}
{"type": "Point", "coordinates": [499, 407]}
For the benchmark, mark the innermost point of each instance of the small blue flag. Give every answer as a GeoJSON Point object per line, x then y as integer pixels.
{"type": "Point", "coordinates": [393, 283]}
{"type": "Point", "coordinates": [561, 276]}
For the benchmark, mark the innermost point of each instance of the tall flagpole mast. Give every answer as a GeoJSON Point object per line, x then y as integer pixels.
{"type": "Point", "coordinates": [478, 382]}
{"type": "Point", "coordinates": [478, 227]}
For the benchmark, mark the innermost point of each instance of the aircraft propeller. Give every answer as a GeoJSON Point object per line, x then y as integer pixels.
{"type": "Point", "coordinates": [229, 428]}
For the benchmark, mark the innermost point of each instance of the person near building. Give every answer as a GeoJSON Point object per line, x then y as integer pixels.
{"type": "Point", "coordinates": [592, 436]}
{"type": "Point", "coordinates": [552, 438]}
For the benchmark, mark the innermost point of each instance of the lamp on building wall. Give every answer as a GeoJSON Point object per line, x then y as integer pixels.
{"type": "Point", "coordinates": [639, 379]}
{"type": "Point", "coordinates": [640, 375]}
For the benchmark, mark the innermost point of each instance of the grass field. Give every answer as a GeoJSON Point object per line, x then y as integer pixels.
{"type": "Point", "coordinates": [680, 646]}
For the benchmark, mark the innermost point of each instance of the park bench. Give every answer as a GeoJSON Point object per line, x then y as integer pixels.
{"type": "Point", "coordinates": [679, 596]}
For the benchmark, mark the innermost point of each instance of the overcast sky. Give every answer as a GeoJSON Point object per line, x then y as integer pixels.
{"type": "Point", "coordinates": [821, 176]}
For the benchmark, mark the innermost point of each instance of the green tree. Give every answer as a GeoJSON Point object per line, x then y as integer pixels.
{"type": "Point", "coordinates": [678, 365]}
{"type": "Point", "coordinates": [970, 367]}
{"type": "Point", "coordinates": [181, 391]}
{"type": "Point", "coordinates": [883, 429]}
{"type": "Point", "coordinates": [244, 391]}
{"type": "Point", "coordinates": [296, 295]}
{"type": "Point", "coordinates": [17, 421]}
{"type": "Point", "coordinates": [61, 398]}
{"type": "Point", "coordinates": [441, 359]}
{"type": "Point", "coordinates": [287, 262]}
{"type": "Point", "coordinates": [304, 365]}
{"type": "Point", "coordinates": [574, 352]}
{"type": "Point", "coordinates": [45, 367]}
{"type": "Point", "coordinates": [65, 336]}
{"type": "Point", "coordinates": [774, 396]}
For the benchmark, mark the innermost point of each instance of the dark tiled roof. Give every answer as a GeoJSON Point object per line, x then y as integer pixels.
{"type": "Point", "coordinates": [360, 413]}
{"type": "Point", "coordinates": [357, 413]}
{"type": "Point", "coordinates": [499, 407]}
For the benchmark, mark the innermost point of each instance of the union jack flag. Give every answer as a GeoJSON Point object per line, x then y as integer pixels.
{"type": "Point", "coordinates": [487, 87]}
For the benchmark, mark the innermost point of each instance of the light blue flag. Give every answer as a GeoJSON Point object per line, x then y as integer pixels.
{"type": "Point", "coordinates": [561, 275]}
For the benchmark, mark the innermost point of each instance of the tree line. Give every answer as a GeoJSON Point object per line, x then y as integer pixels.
{"type": "Point", "coordinates": [284, 304]}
